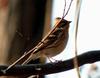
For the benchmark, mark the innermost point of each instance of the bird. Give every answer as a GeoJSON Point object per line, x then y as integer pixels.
{"type": "Point", "coordinates": [51, 45]}
{"type": "Point", "coordinates": [54, 44]}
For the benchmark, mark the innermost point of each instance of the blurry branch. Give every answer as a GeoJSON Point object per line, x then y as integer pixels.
{"type": "Point", "coordinates": [49, 68]}
{"type": "Point", "coordinates": [77, 16]}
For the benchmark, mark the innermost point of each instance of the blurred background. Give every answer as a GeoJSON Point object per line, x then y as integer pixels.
{"type": "Point", "coordinates": [23, 23]}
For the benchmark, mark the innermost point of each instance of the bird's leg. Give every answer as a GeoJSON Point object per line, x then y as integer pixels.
{"type": "Point", "coordinates": [51, 59]}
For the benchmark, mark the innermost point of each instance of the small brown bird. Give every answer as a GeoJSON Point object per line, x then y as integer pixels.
{"type": "Point", "coordinates": [55, 42]}
{"type": "Point", "coordinates": [51, 45]}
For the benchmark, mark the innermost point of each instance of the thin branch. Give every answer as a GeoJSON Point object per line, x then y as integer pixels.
{"type": "Point", "coordinates": [77, 16]}
{"type": "Point", "coordinates": [49, 68]}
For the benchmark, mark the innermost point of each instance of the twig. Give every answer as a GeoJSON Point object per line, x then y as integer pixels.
{"type": "Point", "coordinates": [77, 14]}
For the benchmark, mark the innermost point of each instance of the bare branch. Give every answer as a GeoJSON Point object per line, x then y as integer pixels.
{"type": "Point", "coordinates": [49, 68]}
